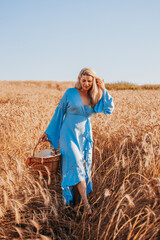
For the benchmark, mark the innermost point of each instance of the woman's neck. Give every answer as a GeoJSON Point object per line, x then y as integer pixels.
{"type": "Point", "coordinates": [84, 91]}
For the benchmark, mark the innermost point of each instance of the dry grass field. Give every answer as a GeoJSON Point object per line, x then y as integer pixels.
{"type": "Point", "coordinates": [125, 170]}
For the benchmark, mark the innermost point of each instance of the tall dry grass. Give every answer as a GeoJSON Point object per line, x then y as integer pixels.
{"type": "Point", "coordinates": [131, 86]}
{"type": "Point", "coordinates": [125, 171]}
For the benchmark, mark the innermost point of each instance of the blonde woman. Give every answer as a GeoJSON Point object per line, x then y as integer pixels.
{"type": "Point", "coordinates": [70, 128]}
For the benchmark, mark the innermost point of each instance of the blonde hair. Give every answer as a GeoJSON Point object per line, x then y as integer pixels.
{"type": "Point", "coordinates": [95, 93]}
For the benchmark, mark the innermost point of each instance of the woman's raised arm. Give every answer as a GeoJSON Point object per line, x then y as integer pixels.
{"type": "Point", "coordinates": [105, 104]}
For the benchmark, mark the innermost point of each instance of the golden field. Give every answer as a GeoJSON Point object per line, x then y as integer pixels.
{"type": "Point", "coordinates": [125, 170]}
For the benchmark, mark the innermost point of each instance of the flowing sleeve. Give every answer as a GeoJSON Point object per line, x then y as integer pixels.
{"type": "Point", "coordinates": [105, 104]}
{"type": "Point", "coordinates": [54, 127]}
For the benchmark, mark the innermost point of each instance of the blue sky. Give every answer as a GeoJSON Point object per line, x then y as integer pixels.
{"type": "Point", "coordinates": [55, 39]}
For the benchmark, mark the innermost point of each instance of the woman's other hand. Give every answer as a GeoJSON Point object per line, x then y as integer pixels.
{"type": "Point", "coordinates": [100, 83]}
{"type": "Point", "coordinates": [43, 138]}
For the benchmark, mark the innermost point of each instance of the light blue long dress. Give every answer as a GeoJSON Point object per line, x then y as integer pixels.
{"type": "Point", "coordinates": [70, 128]}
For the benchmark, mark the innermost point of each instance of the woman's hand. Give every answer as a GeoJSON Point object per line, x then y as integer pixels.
{"type": "Point", "coordinates": [43, 138]}
{"type": "Point", "coordinates": [100, 83]}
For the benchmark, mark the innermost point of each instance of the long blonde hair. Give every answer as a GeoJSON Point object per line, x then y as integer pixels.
{"type": "Point", "coordinates": [95, 93]}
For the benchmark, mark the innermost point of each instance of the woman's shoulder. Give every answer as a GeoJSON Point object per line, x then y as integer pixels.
{"type": "Point", "coordinates": [70, 90]}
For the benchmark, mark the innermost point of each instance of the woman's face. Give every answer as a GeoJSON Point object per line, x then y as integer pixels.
{"type": "Point", "coordinates": [86, 82]}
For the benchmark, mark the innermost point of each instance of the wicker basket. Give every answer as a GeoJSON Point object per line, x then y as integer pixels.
{"type": "Point", "coordinates": [44, 164]}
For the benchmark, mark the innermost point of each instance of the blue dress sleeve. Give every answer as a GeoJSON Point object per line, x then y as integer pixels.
{"type": "Point", "coordinates": [105, 104]}
{"type": "Point", "coordinates": [54, 127]}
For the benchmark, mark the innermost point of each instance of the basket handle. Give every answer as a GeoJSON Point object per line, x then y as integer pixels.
{"type": "Point", "coordinates": [39, 143]}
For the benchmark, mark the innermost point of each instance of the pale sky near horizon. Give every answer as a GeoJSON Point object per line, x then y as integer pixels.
{"type": "Point", "coordinates": [55, 39]}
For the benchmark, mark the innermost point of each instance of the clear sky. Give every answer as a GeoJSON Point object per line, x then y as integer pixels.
{"type": "Point", "coordinates": [54, 39]}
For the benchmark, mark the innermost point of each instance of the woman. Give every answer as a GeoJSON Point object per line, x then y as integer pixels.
{"type": "Point", "coordinates": [70, 128]}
